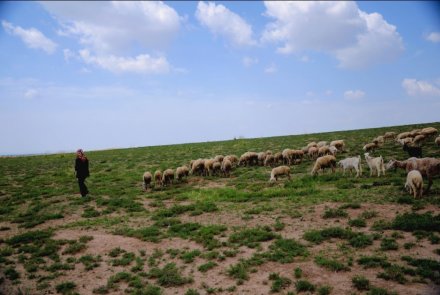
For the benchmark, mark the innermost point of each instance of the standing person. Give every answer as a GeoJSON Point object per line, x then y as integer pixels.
{"type": "Point", "coordinates": [82, 171]}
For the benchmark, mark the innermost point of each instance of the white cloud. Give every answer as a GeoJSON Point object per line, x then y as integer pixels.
{"type": "Point", "coordinates": [271, 69]}
{"type": "Point", "coordinates": [68, 54]}
{"type": "Point", "coordinates": [222, 21]}
{"type": "Point", "coordinates": [140, 64]}
{"type": "Point", "coordinates": [112, 27]}
{"type": "Point", "coordinates": [357, 39]}
{"type": "Point", "coordinates": [415, 87]}
{"type": "Point", "coordinates": [32, 37]}
{"type": "Point", "coordinates": [31, 93]}
{"type": "Point", "coordinates": [354, 95]}
{"type": "Point", "coordinates": [433, 37]}
{"type": "Point", "coordinates": [249, 61]}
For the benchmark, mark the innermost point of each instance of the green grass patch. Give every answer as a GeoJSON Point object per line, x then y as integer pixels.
{"type": "Point", "coordinates": [207, 266]}
{"type": "Point", "coordinates": [331, 264]}
{"type": "Point", "coordinates": [361, 283]}
{"type": "Point", "coordinates": [252, 237]}
{"type": "Point", "coordinates": [168, 276]}
{"type": "Point", "coordinates": [304, 286]}
{"type": "Point", "coordinates": [279, 283]}
{"type": "Point", "coordinates": [335, 213]}
{"type": "Point", "coordinates": [65, 287]}
{"type": "Point", "coordinates": [414, 221]}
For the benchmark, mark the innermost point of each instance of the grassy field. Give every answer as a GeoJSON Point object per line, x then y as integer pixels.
{"type": "Point", "coordinates": [326, 234]}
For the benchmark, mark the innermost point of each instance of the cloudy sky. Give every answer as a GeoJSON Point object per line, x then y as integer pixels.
{"type": "Point", "coordinates": [97, 75]}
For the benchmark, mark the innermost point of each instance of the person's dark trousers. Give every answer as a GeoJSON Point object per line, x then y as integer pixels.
{"type": "Point", "coordinates": [82, 187]}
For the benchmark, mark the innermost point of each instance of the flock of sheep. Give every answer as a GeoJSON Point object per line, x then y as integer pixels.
{"type": "Point", "coordinates": [324, 155]}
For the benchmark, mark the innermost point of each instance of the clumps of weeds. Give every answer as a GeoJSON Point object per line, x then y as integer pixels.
{"type": "Point", "coordinates": [421, 234]}
{"type": "Point", "coordinates": [240, 270]}
{"type": "Point", "coordinates": [150, 233]}
{"type": "Point", "coordinates": [285, 250]}
{"type": "Point", "coordinates": [278, 226]}
{"type": "Point", "coordinates": [357, 222]}
{"type": "Point", "coordinates": [75, 247]}
{"type": "Point", "coordinates": [168, 276]}
{"type": "Point", "coordinates": [355, 239]}
{"type": "Point", "coordinates": [11, 274]}
{"type": "Point", "coordinates": [331, 264]}
{"type": "Point", "coordinates": [361, 283]}
{"type": "Point", "coordinates": [304, 286]}
{"type": "Point", "coordinates": [426, 268]}
{"type": "Point", "coordinates": [207, 266]}
{"type": "Point", "coordinates": [192, 292]}
{"type": "Point", "coordinates": [126, 259]}
{"type": "Point", "coordinates": [115, 204]}
{"type": "Point", "coordinates": [252, 237]}
{"type": "Point", "coordinates": [258, 210]}
{"type": "Point", "coordinates": [381, 225]}
{"type": "Point", "coordinates": [334, 213]}
{"type": "Point", "coordinates": [380, 291]}
{"type": "Point", "coordinates": [115, 252]}
{"type": "Point", "coordinates": [414, 221]}
{"type": "Point", "coordinates": [393, 273]}
{"type": "Point", "coordinates": [204, 235]}
{"type": "Point", "coordinates": [388, 244]}
{"type": "Point", "coordinates": [409, 245]}
{"type": "Point", "coordinates": [139, 265]}
{"type": "Point", "coordinates": [350, 206]}
{"type": "Point", "coordinates": [90, 262]}
{"type": "Point", "coordinates": [90, 212]}
{"type": "Point", "coordinates": [373, 261]}
{"type": "Point", "coordinates": [368, 214]}
{"type": "Point", "coordinates": [176, 210]}
{"type": "Point", "coordinates": [324, 290]}
{"type": "Point", "coordinates": [65, 287]}
{"type": "Point", "coordinates": [33, 216]}
{"type": "Point", "coordinates": [279, 282]}
{"type": "Point", "coordinates": [298, 273]}
{"type": "Point", "coordinates": [189, 256]}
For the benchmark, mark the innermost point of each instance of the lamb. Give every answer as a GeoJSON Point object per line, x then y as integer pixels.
{"type": "Point", "coordinates": [278, 171]}
{"type": "Point", "coordinates": [437, 141]}
{"type": "Point", "coordinates": [182, 172]}
{"type": "Point", "coordinates": [429, 131]}
{"type": "Point", "coordinates": [146, 180]}
{"type": "Point", "coordinates": [389, 135]}
{"type": "Point", "coordinates": [414, 183]}
{"type": "Point", "coordinates": [226, 167]}
{"type": "Point", "coordinates": [321, 144]}
{"type": "Point", "coordinates": [370, 147]}
{"type": "Point", "coordinates": [413, 151]}
{"type": "Point", "coordinates": [321, 163]}
{"type": "Point", "coordinates": [428, 167]}
{"type": "Point", "coordinates": [313, 152]}
{"type": "Point", "coordinates": [158, 178]}
{"type": "Point", "coordinates": [324, 150]}
{"type": "Point", "coordinates": [339, 144]}
{"type": "Point", "coordinates": [269, 161]}
{"type": "Point", "coordinates": [167, 177]}
{"type": "Point", "coordinates": [352, 163]}
{"type": "Point", "coordinates": [198, 167]}
{"type": "Point", "coordinates": [375, 164]}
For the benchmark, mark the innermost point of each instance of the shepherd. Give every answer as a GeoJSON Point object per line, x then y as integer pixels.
{"type": "Point", "coordinates": [82, 171]}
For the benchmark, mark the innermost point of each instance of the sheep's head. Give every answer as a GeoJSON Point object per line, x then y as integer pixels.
{"type": "Point", "coordinates": [391, 164]}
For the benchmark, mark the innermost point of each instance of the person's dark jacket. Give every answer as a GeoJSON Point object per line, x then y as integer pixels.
{"type": "Point", "coordinates": [82, 168]}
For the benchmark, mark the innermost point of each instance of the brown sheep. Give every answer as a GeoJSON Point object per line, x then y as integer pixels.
{"type": "Point", "coordinates": [419, 139]}
{"type": "Point", "coordinates": [321, 163]}
{"type": "Point", "coordinates": [429, 131]}
{"type": "Point", "coordinates": [198, 167]}
{"type": "Point", "coordinates": [248, 159]}
{"type": "Point", "coordinates": [323, 151]}
{"type": "Point", "coordinates": [216, 168]}
{"type": "Point", "coordinates": [158, 178]}
{"type": "Point", "coordinates": [313, 152]}
{"type": "Point", "coordinates": [278, 158]}
{"type": "Point", "coordinates": [369, 147]}
{"type": "Point", "coordinates": [226, 167]}
{"type": "Point", "coordinates": [232, 158]}
{"type": "Point", "coordinates": [402, 135]}
{"type": "Point", "coordinates": [219, 158]}
{"type": "Point", "coordinates": [278, 171]}
{"type": "Point", "coordinates": [208, 167]}
{"type": "Point", "coordinates": [146, 180]}
{"type": "Point", "coordinates": [437, 141]}
{"type": "Point", "coordinates": [261, 158]}
{"type": "Point", "coordinates": [168, 177]}
{"type": "Point", "coordinates": [389, 135]}
{"type": "Point", "coordinates": [182, 172]}
{"type": "Point", "coordinates": [269, 161]}
{"type": "Point", "coordinates": [339, 144]}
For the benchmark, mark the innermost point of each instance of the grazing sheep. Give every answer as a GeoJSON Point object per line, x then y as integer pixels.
{"type": "Point", "coordinates": [352, 163]}
{"type": "Point", "coordinates": [232, 158]}
{"type": "Point", "coordinates": [168, 177]}
{"type": "Point", "coordinates": [278, 158]}
{"type": "Point", "coordinates": [298, 155]}
{"type": "Point", "coordinates": [182, 172]}
{"type": "Point", "coordinates": [312, 144]}
{"type": "Point", "coordinates": [219, 158]}
{"type": "Point", "coordinates": [375, 164]}
{"type": "Point", "coordinates": [415, 132]}
{"type": "Point", "coordinates": [207, 170]}
{"type": "Point", "coordinates": [313, 152]}
{"type": "Point", "coordinates": [413, 151]}
{"type": "Point", "coordinates": [216, 167]}
{"type": "Point", "coordinates": [287, 156]}
{"type": "Point", "coordinates": [429, 131]}
{"type": "Point", "coordinates": [248, 159]}
{"type": "Point", "coordinates": [370, 147]}
{"type": "Point", "coordinates": [428, 167]}
{"type": "Point", "coordinates": [158, 178]}
{"type": "Point", "coordinates": [389, 135]}
{"type": "Point", "coordinates": [333, 150]}
{"type": "Point", "coordinates": [339, 144]}
{"type": "Point", "coordinates": [321, 163]}
{"type": "Point", "coordinates": [419, 139]}
{"type": "Point", "coordinates": [261, 158]}
{"type": "Point", "coordinates": [269, 161]}
{"type": "Point", "coordinates": [324, 150]}
{"type": "Point", "coordinates": [379, 140]}
{"type": "Point", "coordinates": [198, 167]}
{"type": "Point", "coordinates": [437, 141]}
{"type": "Point", "coordinates": [268, 152]}
{"type": "Point", "coordinates": [414, 183]}
{"type": "Point", "coordinates": [406, 140]}
{"type": "Point", "coordinates": [278, 171]}
{"type": "Point", "coordinates": [146, 180]}
{"type": "Point", "coordinates": [402, 135]}
{"type": "Point", "coordinates": [321, 144]}
{"type": "Point", "coordinates": [226, 167]}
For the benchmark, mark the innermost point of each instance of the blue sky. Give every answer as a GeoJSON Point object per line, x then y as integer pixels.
{"type": "Point", "coordinates": [97, 75]}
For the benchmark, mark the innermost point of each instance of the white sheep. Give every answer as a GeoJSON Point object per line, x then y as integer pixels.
{"type": "Point", "coordinates": [389, 135]}
{"type": "Point", "coordinates": [324, 150]}
{"type": "Point", "coordinates": [167, 177]}
{"type": "Point", "coordinates": [437, 141]}
{"type": "Point", "coordinates": [370, 147]}
{"type": "Point", "coordinates": [414, 183]}
{"type": "Point", "coordinates": [352, 163]}
{"type": "Point", "coordinates": [375, 164]}
{"type": "Point", "coordinates": [313, 152]}
{"type": "Point", "coordinates": [158, 178]}
{"type": "Point", "coordinates": [321, 163]}
{"type": "Point", "coordinates": [226, 167]}
{"type": "Point", "coordinates": [278, 171]}
{"type": "Point", "coordinates": [146, 180]}
{"type": "Point", "coordinates": [182, 172]}
{"type": "Point", "coordinates": [429, 131]}
{"type": "Point", "coordinates": [333, 150]}
{"type": "Point", "coordinates": [216, 167]}
{"type": "Point", "coordinates": [198, 167]}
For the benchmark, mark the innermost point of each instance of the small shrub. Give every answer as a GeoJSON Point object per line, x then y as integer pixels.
{"type": "Point", "coordinates": [373, 261]}
{"type": "Point", "coordinates": [334, 213]}
{"type": "Point", "coordinates": [358, 222]}
{"type": "Point", "coordinates": [304, 286]}
{"type": "Point", "coordinates": [324, 290]}
{"type": "Point", "coordinates": [331, 264]}
{"type": "Point", "coordinates": [415, 221]}
{"type": "Point", "coordinates": [168, 276]}
{"type": "Point", "coordinates": [65, 287]}
{"type": "Point", "coordinates": [368, 214]}
{"type": "Point", "coordinates": [207, 266]}
{"type": "Point", "coordinates": [389, 244]}
{"type": "Point", "coordinates": [279, 282]}
{"type": "Point", "coordinates": [393, 273]}
{"type": "Point", "coordinates": [298, 273]}
{"type": "Point", "coordinates": [379, 291]}
{"type": "Point", "coordinates": [360, 282]}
